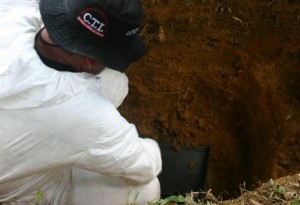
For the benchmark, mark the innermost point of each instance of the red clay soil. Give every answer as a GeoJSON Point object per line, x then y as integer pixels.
{"type": "Point", "coordinates": [224, 73]}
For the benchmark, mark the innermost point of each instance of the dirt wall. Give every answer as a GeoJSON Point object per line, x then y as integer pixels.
{"type": "Point", "coordinates": [224, 73]}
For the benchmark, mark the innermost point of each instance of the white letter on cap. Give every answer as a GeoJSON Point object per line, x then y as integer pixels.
{"type": "Point", "coordinates": [85, 17]}
{"type": "Point", "coordinates": [100, 27]}
{"type": "Point", "coordinates": [95, 22]}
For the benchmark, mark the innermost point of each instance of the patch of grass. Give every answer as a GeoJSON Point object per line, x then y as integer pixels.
{"type": "Point", "coordinates": [170, 199]}
{"type": "Point", "coordinates": [276, 189]}
{"type": "Point", "coordinates": [128, 195]}
{"type": "Point", "coordinates": [38, 196]}
{"type": "Point", "coordinates": [296, 202]}
{"type": "Point", "coordinates": [187, 2]}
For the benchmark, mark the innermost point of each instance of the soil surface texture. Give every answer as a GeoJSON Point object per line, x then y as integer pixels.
{"type": "Point", "coordinates": [223, 73]}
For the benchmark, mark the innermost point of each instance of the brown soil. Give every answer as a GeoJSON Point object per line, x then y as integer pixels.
{"type": "Point", "coordinates": [224, 73]}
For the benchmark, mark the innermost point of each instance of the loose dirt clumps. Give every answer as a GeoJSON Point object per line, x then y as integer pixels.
{"type": "Point", "coordinates": [224, 73]}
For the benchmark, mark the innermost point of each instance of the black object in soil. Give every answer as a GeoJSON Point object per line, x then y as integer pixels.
{"type": "Point", "coordinates": [183, 171]}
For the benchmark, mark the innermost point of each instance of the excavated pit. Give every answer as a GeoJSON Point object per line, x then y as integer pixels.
{"type": "Point", "coordinates": [223, 73]}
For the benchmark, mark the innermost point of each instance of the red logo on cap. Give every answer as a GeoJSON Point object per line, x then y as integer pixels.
{"type": "Point", "coordinates": [94, 20]}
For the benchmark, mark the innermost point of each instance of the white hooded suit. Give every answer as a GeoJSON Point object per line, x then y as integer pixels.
{"type": "Point", "coordinates": [61, 131]}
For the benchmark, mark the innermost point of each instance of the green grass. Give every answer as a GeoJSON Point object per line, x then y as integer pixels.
{"type": "Point", "coordinates": [38, 196]}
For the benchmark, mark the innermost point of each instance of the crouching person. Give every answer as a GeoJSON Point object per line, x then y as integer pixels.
{"type": "Point", "coordinates": [62, 78]}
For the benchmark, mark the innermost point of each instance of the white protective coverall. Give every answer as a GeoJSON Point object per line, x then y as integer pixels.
{"type": "Point", "coordinates": [61, 131]}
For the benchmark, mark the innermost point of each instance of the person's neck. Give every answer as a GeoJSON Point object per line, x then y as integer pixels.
{"type": "Point", "coordinates": [50, 50]}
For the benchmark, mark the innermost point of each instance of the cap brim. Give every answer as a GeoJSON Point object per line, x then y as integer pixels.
{"type": "Point", "coordinates": [74, 40]}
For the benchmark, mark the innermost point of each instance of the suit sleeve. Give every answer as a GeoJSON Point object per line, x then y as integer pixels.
{"type": "Point", "coordinates": [89, 133]}
{"type": "Point", "coordinates": [8, 5]}
{"type": "Point", "coordinates": [114, 148]}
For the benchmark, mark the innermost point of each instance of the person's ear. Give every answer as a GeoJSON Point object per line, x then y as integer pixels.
{"type": "Point", "coordinates": [90, 61]}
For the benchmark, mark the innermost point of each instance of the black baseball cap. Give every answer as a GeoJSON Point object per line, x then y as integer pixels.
{"type": "Point", "coordinates": [105, 30]}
